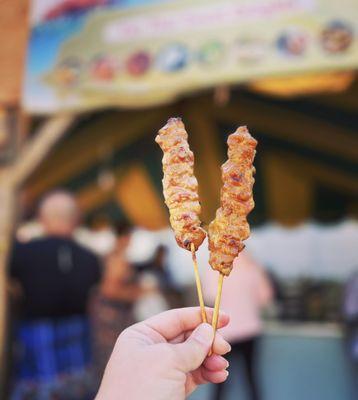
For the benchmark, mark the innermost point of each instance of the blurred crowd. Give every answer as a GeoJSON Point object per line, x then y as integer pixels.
{"type": "Point", "coordinates": [72, 296]}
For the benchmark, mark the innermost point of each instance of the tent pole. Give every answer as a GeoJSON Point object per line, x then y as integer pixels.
{"type": "Point", "coordinates": [12, 175]}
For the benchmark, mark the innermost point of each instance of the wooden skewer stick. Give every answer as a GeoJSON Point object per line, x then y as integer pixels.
{"type": "Point", "coordinates": [217, 305]}
{"type": "Point", "coordinates": [198, 284]}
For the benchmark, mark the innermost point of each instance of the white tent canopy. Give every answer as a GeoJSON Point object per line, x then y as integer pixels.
{"type": "Point", "coordinates": [312, 250]}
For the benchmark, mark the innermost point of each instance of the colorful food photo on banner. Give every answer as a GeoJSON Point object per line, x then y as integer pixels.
{"type": "Point", "coordinates": [137, 53]}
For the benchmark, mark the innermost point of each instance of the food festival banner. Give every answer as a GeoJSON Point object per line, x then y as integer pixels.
{"type": "Point", "coordinates": [86, 54]}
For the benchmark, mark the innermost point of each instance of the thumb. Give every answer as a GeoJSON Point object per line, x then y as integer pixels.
{"type": "Point", "coordinates": [194, 350]}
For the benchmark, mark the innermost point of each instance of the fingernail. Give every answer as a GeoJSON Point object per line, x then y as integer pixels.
{"type": "Point", "coordinates": [227, 364]}
{"type": "Point", "coordinates": [227, 347]}
{"type": "Point", "coordinates": [204, 333]}
{"type": "Point", "coordinates": [223, 343]}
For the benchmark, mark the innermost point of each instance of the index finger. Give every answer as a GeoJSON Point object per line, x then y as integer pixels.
{"type": "Point", "coordinates": [172, 323]}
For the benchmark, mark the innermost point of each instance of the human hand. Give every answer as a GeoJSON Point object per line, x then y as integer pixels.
{"type": "Point", "coordinates": [165, 357]}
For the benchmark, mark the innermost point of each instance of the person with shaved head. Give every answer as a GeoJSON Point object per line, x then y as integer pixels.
{"type": "Point", "coordinates": [56, 276]}
{"type": "Point", "coordinates": [59, 214]}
